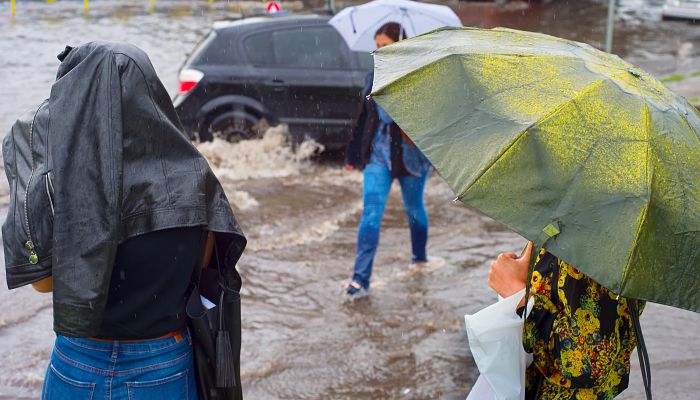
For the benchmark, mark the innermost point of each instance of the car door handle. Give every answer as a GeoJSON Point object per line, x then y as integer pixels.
{"type": "Point", "coordinates": [278, 85]}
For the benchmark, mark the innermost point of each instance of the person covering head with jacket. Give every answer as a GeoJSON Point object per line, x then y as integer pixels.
{"type": "Point", "coordinates": [134, 209]}
{"type": "Point", "coordinates": [384, 152]}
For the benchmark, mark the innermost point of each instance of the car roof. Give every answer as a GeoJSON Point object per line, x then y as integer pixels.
{"type": "Point", "coordinates": [258, 22]}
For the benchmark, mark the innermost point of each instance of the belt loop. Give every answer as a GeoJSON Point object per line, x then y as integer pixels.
{"type": "Point", "coordinates": [115, 349]}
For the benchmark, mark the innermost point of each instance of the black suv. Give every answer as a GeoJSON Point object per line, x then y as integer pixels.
{"type": "Point", "coordinates": [295, 70]}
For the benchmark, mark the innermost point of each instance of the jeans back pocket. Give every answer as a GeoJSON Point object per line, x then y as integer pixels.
{"type": "Point", "coordinates": [168, 388]}
{"type": "Point", "coordinates": [60, 387]}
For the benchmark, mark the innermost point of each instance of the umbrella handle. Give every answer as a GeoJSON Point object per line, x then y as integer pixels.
{"type": "Point", "coordinates": [530, 269]}
{"type": "Point", "coordinates": [641, 347]}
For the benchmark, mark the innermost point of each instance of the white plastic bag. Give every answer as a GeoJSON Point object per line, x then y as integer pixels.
{"type": "Point", "coordinates": [495, 339]}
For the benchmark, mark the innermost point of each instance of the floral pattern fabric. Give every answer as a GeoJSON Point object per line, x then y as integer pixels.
{"type": "Point", "coordinates": [580, 334]}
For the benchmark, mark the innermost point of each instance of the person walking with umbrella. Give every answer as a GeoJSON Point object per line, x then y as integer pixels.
{"type": "Point", "coordinates": [384, 152]}
{"type": "Point", "coordinates": [587, 156]}
{"type": "Point", "coordinates": [378, 145]}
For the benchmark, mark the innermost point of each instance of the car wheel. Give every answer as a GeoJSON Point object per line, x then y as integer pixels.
{"type": "Point", "coordinates": [234, 126]}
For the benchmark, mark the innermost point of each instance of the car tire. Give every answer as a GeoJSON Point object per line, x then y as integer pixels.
{"type": "Point", "coordinates": [233, 127]}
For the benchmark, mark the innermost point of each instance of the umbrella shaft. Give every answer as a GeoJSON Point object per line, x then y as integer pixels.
{"type": "Point", "coordinates": [609, 32]}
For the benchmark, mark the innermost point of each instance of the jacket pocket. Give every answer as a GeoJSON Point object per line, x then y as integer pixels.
{"type": "Point", "coordinates": [39, 213]}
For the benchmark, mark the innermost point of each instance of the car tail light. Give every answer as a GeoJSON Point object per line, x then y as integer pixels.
{"type": "Point", "coordinates": [189, 78]}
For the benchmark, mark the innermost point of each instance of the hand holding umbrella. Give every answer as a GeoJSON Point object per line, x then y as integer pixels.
{"type": "Point", "coordinates": [508, 273]}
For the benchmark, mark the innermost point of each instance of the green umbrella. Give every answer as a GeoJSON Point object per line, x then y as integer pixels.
{"type": "Point", "coordinates": [570, 147]}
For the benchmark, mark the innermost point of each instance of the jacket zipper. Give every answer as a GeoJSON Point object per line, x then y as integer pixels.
{"type": "Point", "coordinates": [49, 191]}
{"type": "Point", "coordinates": [29, 244]}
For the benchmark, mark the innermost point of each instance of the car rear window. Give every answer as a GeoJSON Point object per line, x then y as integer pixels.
{"type": "Point", "coordinates": [215, 49]}
{"type": "Point", "coordinates": [196, 54]}
{"type": "Point", "coordinates": [299, 47]}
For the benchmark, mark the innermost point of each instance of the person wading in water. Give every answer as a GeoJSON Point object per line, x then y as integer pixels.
{"type": "Point", "coordinates": [384, 152]}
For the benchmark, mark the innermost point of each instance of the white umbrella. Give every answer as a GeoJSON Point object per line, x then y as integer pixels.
{"type": "Point", "coordinates": [357, 25]}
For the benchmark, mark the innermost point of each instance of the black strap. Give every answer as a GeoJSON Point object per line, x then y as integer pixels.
{"type": "Point", "coordinates": [223, 292]}
{"type": "Point", "coordinates": [641, 347]}
{"type": "Point", "coordinates": [554, 292]}
{"type": "Point", "coordinates": [197, 273]}
{"type": "Point", "coordinates": [544, 259]}
{"type": "Point", "coordinates": [528, 280]}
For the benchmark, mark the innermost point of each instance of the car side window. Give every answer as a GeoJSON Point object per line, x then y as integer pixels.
{"type": "Point", "coordinates": [259, 49]}
{"type": "Point", "coordinates": [221, 51]}
{"type": "Point", "coordinates": [301, 47]}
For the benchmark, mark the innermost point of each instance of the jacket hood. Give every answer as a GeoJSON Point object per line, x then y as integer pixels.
{"type": "Point", "coordinates": [72, 56]}
{"type": "Point", "coordinates": [123, 166]}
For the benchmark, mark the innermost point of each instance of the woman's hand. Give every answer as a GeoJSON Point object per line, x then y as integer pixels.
{"type": "Point", "coordinates": [508, 273]}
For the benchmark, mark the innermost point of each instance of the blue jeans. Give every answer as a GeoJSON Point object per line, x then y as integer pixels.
{"type": "Point", "coordinates": [375, 191]}
{"type": "Point", "coordinates": [85, 369]}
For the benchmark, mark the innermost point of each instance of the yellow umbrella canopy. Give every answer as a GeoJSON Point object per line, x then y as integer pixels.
{"type": "Point", "coordinates": [569, 146]}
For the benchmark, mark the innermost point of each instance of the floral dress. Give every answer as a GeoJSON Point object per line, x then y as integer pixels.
{"type": "Point", "coordinates": [580, 335]}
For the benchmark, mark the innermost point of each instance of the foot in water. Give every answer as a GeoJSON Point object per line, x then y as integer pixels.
{"type": "Point", "coordinates": [417, 266]}
{"type": "Point", "coordinates": [352, 291]}
{"type": "Point", "coordinates": [433, 264]}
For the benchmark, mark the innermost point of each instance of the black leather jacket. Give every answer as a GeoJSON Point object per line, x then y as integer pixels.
{"type": "Point", "coordinates": [121, 166]}
{"type": "Point", "coordinates": [359, 148]}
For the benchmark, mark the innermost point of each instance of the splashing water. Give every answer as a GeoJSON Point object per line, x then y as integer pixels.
{"type": "Point", "coordinates": [271, 156]}
{"type": "Point", "coordinates": [242, 200]}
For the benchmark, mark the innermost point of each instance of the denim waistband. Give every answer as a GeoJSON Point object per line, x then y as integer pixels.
{"type": "Point", "coordinates": [118, 346]}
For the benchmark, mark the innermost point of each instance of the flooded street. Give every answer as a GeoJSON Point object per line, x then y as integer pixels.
{"type": "Point", "coordinates": [407, 341]}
